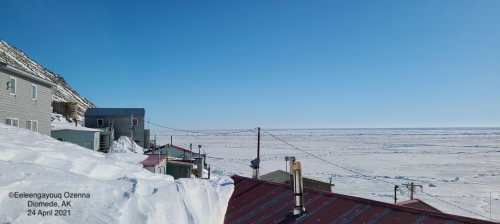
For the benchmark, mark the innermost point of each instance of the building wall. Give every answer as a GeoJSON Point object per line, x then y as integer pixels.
{"type": "Point", "coordinates": [157, 169]}
{"type": "Point", "coordinates": [87, 139]}
{"type": "Point", "coordinates": [177, 153]}
{"type": "Point", "coordinates": [21, 105]}
{"type": "Point", "coordinates": [122, 127]}
{"type": "Point", "coordinates": [179, 169]}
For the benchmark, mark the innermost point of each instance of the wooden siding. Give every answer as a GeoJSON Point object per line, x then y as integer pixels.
{"type": "Point", "coordinates": [21, 105]}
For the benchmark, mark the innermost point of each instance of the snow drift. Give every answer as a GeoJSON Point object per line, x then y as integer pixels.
{"type": "Point", "coordinates": [119, 190]}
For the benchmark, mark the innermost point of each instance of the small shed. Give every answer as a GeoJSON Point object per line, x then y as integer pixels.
{"type": "Point", "coordinates": [180, 169]}
{"type": "Point", "coordinates": [155, 163]}
{"type": "Point", "coordinates": [280, 176]}
{"type": "Point", "coordinates": [85, 137]}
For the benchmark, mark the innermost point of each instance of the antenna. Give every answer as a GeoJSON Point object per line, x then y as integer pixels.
{"type": "Point", "coordinates": [411, 187]}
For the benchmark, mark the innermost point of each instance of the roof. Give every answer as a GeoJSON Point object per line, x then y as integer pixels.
{"type": "Point", "coordinates": [73, 128]}
{"type": "Point", "coordinates": [281, 176]}
{"type": "Point", "coordinates": [153, 160]}
{"type": "Point", "coordinates": [258, 201]}
{"type": "Point", "coordinates": [114, 112]}
{"type": "Point", "coordinates": [171, 147]}
{"type": "Point", "coordinates": [25, 73]}
{"type": "Point", "coordinates": [417, 203]}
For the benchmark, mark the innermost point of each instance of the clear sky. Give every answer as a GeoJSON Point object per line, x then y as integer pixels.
{"type": "Point", "coordinates": [273, 64]}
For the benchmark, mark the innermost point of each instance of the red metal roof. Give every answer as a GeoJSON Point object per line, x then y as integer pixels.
{"type": "Point", "coordinates": [258, 201]}
{"type": "Point", "coordinates": [153, 160]}
{"type": "Point", "coordinates": [417, 203]}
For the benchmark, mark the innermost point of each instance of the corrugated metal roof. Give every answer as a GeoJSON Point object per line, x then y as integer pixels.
{"type": "Point", "coordinates": [114, 112]}
{"type": "Point", "coordinates": [258, 201]}
{"type": "Point", "coordinates": [153, 160]}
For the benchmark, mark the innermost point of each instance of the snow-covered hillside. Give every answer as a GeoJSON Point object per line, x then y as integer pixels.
{"type": "Point", "coordinates": [62, 92]}
{"type": "Point", "coordinates": [111, 188]}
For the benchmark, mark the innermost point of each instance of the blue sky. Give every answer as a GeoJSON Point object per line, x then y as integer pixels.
{"type": "Point", "coordinates": [274, 64]}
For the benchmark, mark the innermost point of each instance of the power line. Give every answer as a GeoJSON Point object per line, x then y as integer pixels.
{"type": "Point", "coordinates": [200, 132]}
{"type": "Point", "coordinates": [350, 170]}
{"type": "Point", "coordinates": [373, 178]}
{"type": "Point", "coordinates": [455, 205]}
{"type": "Point", "coordinates": [237, 162]}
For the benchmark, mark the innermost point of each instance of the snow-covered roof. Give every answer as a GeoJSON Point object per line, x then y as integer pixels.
{"type": "Point", "coordinates": [153, 160]}
{"type": "Point", "coordinates": [114, 112]}
{"type": "Point", "coordinates": [73, 128]}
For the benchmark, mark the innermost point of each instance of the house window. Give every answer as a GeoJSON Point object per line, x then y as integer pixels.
{"type": "Point", "coordinates": [28, 124]}
{"type": "Point", "coordinates": [15, 122]}
{"type": "Point", "coordinates": [100, 123]}
{"type": "Point", "coordinates": [33, 92]}
{"type": "Point", "coordinates": [34, 126]}
{"type": "Point", "coordinates": [135, 122]}
{"type": "Point", "coordinates": [12, 85]}
{"type": "Point", "coordinates": [12, 121]}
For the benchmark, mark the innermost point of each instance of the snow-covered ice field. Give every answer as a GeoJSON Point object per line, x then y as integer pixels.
{"type": "Point", "coordinates": [459, 166]}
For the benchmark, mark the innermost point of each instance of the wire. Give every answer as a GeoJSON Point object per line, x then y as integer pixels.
{"type": "Point", "coordinates": [369, 177]}
{"type": "Point", "coordinates": [456, 206]}
{"type": "Point", "coordinates": [203, 133]}
{"type": "Point", "coordinates": [350, 170]}
{"type": "Point", "coordinates": [260, 167]}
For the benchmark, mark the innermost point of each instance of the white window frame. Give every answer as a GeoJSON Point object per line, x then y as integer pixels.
{"type": "Point", "coordinates": [102, 122]}
{"type": "Point", "coordinates": [9, 119]}
{"type": "Point", "coordinates": [136, 121]}
{"type": "Point", "coordinates": [34, 125]}
{"type": "Point", "coordinates": [15, 120]}
{"type": "Point", "coordinates": [10, 86]}
{"type": "Point", "coordinates": [28, 124]}
{"type": "Point", "coordinates": [35, 92]}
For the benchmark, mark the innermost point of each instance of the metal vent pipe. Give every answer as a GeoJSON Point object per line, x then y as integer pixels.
{"type": "Point", "coordinates": [298, 190]}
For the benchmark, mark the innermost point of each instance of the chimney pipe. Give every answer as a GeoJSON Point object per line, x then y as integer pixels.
{"type": "Point", "coordinates": [255, 168]}
{"type": "Point", "coordinates": [199, 166]}
{"type": "Point", "coordinates": [298, 189]}
{"type": "Point", "coordinates": [291, 160]}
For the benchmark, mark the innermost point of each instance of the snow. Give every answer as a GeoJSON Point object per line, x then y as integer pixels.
{"type": "Point", "coordinates": [460, 166]}
{"type": "Point", "coordinates": [119, 190]}
{"type": "Point", "coordinates": [59, 122]}
{"type": "Point", "coordinates": [125, 145]}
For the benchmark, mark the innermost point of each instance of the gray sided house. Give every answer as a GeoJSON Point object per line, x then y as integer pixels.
{"type": "Point", "coordinates": [25, 99]}
{"type": "Point", "coordinates": [94, 139]}
{"type": "Point", "coordinates": [121, 121]}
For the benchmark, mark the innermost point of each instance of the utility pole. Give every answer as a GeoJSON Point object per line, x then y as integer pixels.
{"type": "Point", "coordinates": [256, 162]}
{"type": "Point", "coordinates": [199, 151]}
{"type": "Point", "coordinates": [132, 131]}
{"type": "Point", "coordinates": [395, 195]}
{"type": "Point", "coordinates": [411, 187]}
